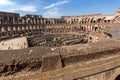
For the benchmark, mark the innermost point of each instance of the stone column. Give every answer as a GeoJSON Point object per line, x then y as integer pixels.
{"type": "Point", "coordinates": [26, 21]}
{"type": "Point", "coordinates": [34, 21]}
{"type": "Point", "coordinates": [13, 20]}
{"type": "Point", "coordinates": [23, 21]}
{"type": "Point", "coordinates": [38, 21]}
{"type": "Point", "coordinates": [8, 19]}
{"type": "Point", "coordinates": [31, 21]}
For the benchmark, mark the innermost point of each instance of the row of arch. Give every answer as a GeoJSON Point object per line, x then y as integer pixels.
{"type": "Point", "coordinates": [94, 20]}
{"type": "Point", "coordinates": [117, 19]}
{"type": "Point", "coordinates": [29, 20]}
{"type": "Point", "coordinates": [51, 28]}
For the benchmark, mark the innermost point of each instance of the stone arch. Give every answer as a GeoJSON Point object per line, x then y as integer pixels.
{"type": "Point", "coordinates": [23, 28]}
{"type": "Point", "coordinates": [34, 20]}
{"type": "Point", "coordinates": [9, 28]}
{"type": "Point", "coordinates": [44, 21]}
{"type": "Point", "coordinates": [94, 20]}
{"type": "Point", "coordinates": [41, 21]}
{"type": "Point", "coordinates": [49, 22]}
{"type": "Point", "coordinates": [37, 20]}
{"type": "Point", "coordinates": [118, 77]}
{"type": "Point", "coordinates": [38, 27]}
{"type": "Point", "coordinates": [72, 21]}
{"type": "Point", "coordinates": [80, 20]}
{"type": "Point", "coordinates": [86, 20]}
{"type": "Point", "coordinates": [54, 21]}
{"type": "Point", "coordinates": [91, 20]}
{"type": "Point", "coordinates": [28, 20]}
{"type": "Point", "coordinates": [99, 20]}
{"type": "Point", "coordinates": [105, 21]}
{"type": "Point", "coordinates": [27, 28]}
{"type": "Point", "coordinates": [3, 29]}
{"type": "Point", "coordinates": [85, 28]}
{"type": "Point", "coordinates": [96, 27]}
{"type": "Point", "coordinates": [47, 28]}
{"type": "Point", "coordinates": [19, 28]}
{"type": "Point", "coordinates": [116, 19]}
{"type": "Point", "coordinates": [115, 74]}
{"type": "Point", "coordinates": [31, 28]}
{"type": "Point", "coordinates": [82, 28]}
{"type": "Point", "coordinates": [31, 20]}
{"type": "Point", "coordinates": [34, 27]}
{"type": "Point", "coordinates": [14, 28]}
{"type": "Point", "coordinates": [83, 20]}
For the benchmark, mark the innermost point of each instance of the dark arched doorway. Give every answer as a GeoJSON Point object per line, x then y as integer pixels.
{"type": "Point", "coordinates": [118, 77]}
{"type": "Point", "coordinates": [96, 28]}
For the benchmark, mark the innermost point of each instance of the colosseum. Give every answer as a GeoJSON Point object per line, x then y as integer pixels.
{"type": "Point", "coordinates": [68, 48]}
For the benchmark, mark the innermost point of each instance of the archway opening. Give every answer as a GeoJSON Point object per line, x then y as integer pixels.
{"type": "Point", "coordinates": [96, 28]}
{"type": "Point", "coordinates": [118, 77]}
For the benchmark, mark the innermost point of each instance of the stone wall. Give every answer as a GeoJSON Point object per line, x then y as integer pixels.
{"type": "Point", "coordinates": [55, 59]}
{"type": "Point", "coordinates": [12, 23]}
{"type": "Point", "coordinates": [15, 43]}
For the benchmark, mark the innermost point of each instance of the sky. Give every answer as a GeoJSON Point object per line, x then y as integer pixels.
{"type": "Point", "coordinates": [57, 8]}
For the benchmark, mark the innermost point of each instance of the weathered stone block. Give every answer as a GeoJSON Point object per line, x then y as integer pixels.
{"type": "Point", "coordinates": [51, 62]}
